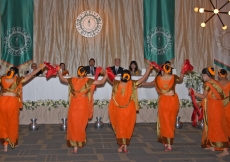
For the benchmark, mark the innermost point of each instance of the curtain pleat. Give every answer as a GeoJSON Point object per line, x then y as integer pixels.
{"type": "Point", "coordinates": [57, 40]}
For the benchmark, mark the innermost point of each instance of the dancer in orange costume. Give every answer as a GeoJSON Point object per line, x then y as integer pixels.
{"type": "Point", "coordinates": [10, 103]}
{"type": "Point", "coordinates": [81, 106]}
{"type": "Point", "coordinates": [123, 106]}
{"type": "Point", "coordinates": [168, 104]}
{"type": "Point", "coordinates": [223, 80]}
{"type": "Point", "coordinates": [214, 136]}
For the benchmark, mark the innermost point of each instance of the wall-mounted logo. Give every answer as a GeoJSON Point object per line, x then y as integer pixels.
{"type": "Point", "coordinates": [222, 41]}
{"type": "Point", "coordinates": [89, 23]}
{"type": "Point", "coordinates": [159, 41]}
{"type": "Point", "coordinates": [17, 41]}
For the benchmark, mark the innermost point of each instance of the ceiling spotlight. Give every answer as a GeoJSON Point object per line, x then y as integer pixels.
{"type": "Point", "coordinates": [196, 9]}
{"type": "Point", "coordinates": [224, 27]}
{"type": "Point", "coordinates": [201, 10]}
{"type": "Point", "coordinates": [203, 24]}
{"type": "Point", "coordinates": [216, 11]}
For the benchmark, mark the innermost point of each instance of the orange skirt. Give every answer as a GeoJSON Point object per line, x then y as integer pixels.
{"type": "Point", "coordinates": [227, 115]}
{"type": "Point", "coordinates": [215, 134]}
{"type": "Point", "coordinates": [168, 107]}
{"type": "Point", "coordinates": [9, 119]}
{"type": "Point", "coordinates": [123, 121]}
{"type": "Point", "coordinates": [78, 115]}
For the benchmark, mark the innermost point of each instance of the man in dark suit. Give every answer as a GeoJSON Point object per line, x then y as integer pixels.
{"type": "Point", "coordinates": [117, 69]}
{"type": "Point", "coordinates": [91, 69]}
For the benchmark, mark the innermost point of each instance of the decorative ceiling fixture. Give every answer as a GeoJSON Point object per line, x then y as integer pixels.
{"type": "Point", "coordinates": [215, 11]}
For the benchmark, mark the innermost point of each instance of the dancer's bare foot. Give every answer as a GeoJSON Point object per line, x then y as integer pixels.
{"type": "Point", "coordinates": [5, 148]}
{"type": "Point", "coordinates": [209, 148]}
{"type": "Point", "coordinates": [125, 149]}
{"type": "Point", "coordinates": [120, 148]}
{"type": "Point", "coordinates": [223, 153]}
{"type": "Point", "coordinates": [168, 148]}
{"type": "Point", "coordinates": [166, 145]}
{"type": "Point", "coordinates": [74, 150]}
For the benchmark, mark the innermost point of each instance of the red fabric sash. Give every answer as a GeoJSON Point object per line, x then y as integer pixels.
{"type": "Point", "coordinates": [196, 112]}
{"type": "Point", "coordinates": [187, 67]}
{"type": "Point", "coordinates": [156, 65]}
{"type": "Point", "coordinates": [98, 71]}
{"type": "Point", "coordinates": [50, 70]}
{"type": "Point", "coordinates": [110, 74]}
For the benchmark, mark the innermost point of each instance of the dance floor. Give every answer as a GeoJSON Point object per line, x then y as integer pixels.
{"type": "Point", "coordinates": [48, 144]}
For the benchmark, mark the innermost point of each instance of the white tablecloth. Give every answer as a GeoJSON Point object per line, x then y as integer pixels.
{"type": "Point", "coordinates": [41, 89]}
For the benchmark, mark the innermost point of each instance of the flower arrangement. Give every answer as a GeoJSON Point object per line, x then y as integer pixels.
{"type": "Point", "coordinates": [193, 80]}
{"type": "Point", "coordinates": [101, 103]}
{"type": "Point", "coordinates": [148, 103]}
{"type": "Point", "coordinates": [153, 103]}
{"type": "Point", "coordinates": [185, 103]}
{"type": "Point", "coordinates": [31, 105]}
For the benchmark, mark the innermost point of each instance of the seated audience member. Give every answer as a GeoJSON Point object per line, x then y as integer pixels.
{"type": "Point", "coordinates": [2, 70]}
{"type": "Point", "coordinates": [91, 69]}
{"type": "Point", "coordinates": [133, 68]}
{"type": "Point", "coordinates": [33, 67]}
{"type": "Point", "coordinates": [64, 72]}
{"type": "Point", "coordinates": [117, 69]}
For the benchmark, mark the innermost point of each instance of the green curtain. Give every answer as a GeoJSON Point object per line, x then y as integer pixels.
{"type": "Point", "coordinates": [16, 31]}
{"type": "Point", "coordinates": [159, 16]}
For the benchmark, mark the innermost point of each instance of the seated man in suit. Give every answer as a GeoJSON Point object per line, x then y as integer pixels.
{"type": "Point", "coordinates": [91, 69]}
{"type": "Point", "coordinates": [33, 67]}
{"type": "Point", "coordinates": [117, 69]}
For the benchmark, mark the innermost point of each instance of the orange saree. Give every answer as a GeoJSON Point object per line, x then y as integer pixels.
{"type": "Point", "coordinates": [168, 107]}
{"type": "Point", "coordinates": [9, 111]}
{"type": "Point", "coordinates": [227, 107]}
{"type": "Point", "coordinates": [215, 128]}
{"type": "Point", "coordinates": [122, 110]}
{"type": "Point", "coordinates": [80, 110]}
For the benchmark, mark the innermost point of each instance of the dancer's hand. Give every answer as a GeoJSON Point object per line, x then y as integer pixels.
{"type": "Point", "coordinates": [42, 66]}
{"type": "Point", "coordinates": [191, 91]}
{"type": "Point", "coordinates": [102, 72]}
{"type": "Point", "coordinates": [57, 66]}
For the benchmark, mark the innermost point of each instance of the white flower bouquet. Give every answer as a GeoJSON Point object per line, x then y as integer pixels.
{"type": "Point", "coordinates": [101, 103]}
{"type": "Point", "coordinates": [149, 103]}
{"type": "Point", "coordinates": [184, 103]}
{"type": "Point", "coordinates": [193, 80]}
{"type": "Point", "coordinates": [31, 105]}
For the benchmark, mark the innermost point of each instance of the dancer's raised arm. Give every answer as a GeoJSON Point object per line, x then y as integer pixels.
{"type": "Point", "coordinates": [102, 81]}
{"type": "Point", "coordinates": [31, 75]}
{"type": "Point", "coordinates": [145, 75]}
{"type": "Point", "coordinates": [147, 84]}
{"type": "Point", "coordinates": [62, 79]}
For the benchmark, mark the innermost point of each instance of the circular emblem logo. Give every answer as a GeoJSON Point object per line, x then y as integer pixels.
{"type": "Point", "coordinates": [89, 23]}
{"type": "Point", "coordinates": [222, 40]}
{"type": "Point", "coordinates": [17, 41]}
{"type": "Point", "coordinates": [159, 41]}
